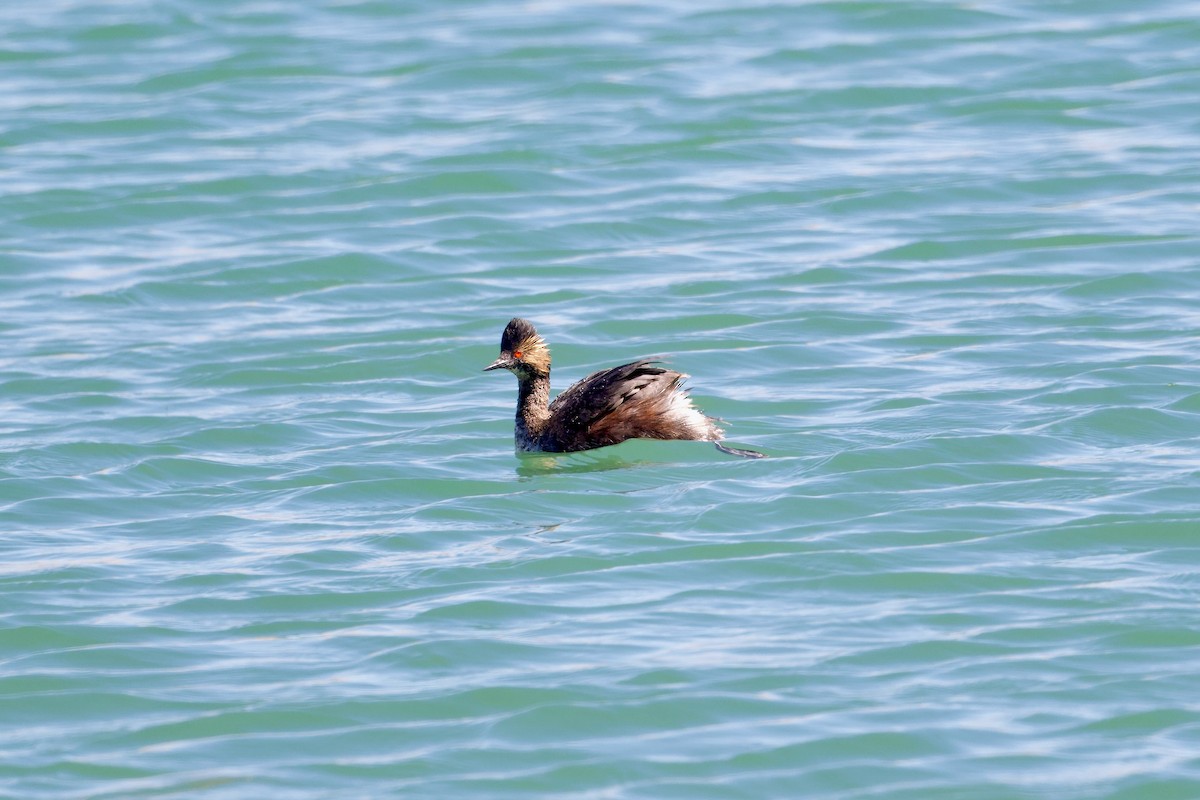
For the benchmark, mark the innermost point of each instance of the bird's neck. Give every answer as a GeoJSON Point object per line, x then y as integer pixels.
{"type": "Point", "coordinates": [533, 406]}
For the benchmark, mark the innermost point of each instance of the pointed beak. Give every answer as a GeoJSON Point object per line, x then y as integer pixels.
{"type": "Point", "coordinates": [499, 363]}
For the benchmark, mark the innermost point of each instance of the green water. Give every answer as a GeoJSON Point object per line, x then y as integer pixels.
{"type": "Point", "coordinates": [264, 533]}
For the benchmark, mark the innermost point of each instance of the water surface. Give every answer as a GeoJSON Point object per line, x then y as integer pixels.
{"type": "Point", "coordinates": [264, 531]}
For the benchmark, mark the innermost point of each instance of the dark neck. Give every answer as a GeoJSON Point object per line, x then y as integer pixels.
{"type": "Point", "coordinates": [533, 401]}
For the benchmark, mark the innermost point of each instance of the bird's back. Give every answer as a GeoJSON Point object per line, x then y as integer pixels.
{"type": "Point", "coordinates": [639, 400]}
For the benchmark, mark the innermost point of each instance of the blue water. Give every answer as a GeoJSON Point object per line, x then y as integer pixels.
{"type": "Point", "coordinates": [264, 531]}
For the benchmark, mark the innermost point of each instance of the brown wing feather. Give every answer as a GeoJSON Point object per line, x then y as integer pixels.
{"type": "Point", "coordinates": [626, 402]}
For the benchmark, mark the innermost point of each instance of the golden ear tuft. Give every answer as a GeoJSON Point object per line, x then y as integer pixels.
{"type": "Point", "coordinates": [533, 353]}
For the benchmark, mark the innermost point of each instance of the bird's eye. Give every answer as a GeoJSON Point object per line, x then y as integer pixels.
{"type": "Point", "coordinates": [516, 353]}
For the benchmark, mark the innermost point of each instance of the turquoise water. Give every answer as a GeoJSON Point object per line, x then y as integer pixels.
{"type": "Point", "coordinates": [264, 531]}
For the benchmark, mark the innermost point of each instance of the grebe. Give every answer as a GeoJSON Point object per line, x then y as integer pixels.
{"type": "Point", "coordinates": [638, 400]}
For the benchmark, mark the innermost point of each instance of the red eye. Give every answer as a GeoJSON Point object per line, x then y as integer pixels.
{"type": "Point", "coordinates": [516, 353]}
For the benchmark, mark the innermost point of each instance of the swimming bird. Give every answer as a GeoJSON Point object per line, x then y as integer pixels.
{"type": "Point", "coordinates": [638, 400]}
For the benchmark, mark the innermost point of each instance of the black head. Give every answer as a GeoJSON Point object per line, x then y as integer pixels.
{"type": "Point", "coordinates": [522, 350]}
{"type": "Point", "coordinates": [515, 332]}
